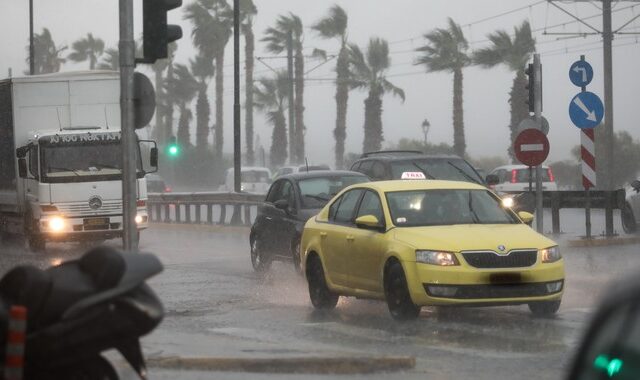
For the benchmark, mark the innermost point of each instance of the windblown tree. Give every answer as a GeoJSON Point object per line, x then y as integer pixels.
{"type": "Point", "coordinates": [110, 60]}
{"type": "Point", "coordinates": [514, 53]}
{"type": "Point", "coordinates": [369, 74]}
{"type": "Point", "coordinates": [270, 95]}
{"type": "Point", "coordinates": [276, 39]}
{"type": "Point", "coordinates": [334, 26]}
{"type": "Point", "coordinates": [163, 116]}
{"type": "Point", "coordinates": [446, 50]}
{"type": "Point", "coordinates": [183, 87]}
{"type": "Point", "coordinates": [212, 27]}
{"type": "Point", "coordinates": [247, 13]}
{"type": "Point", "coordinates": [47, 57]}
{"type": "Point", "coordinates": [202, 69]}
{"type": "Point", "coordinates": [88, 48]}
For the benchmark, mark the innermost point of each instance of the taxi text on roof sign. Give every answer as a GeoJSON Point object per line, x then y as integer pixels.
{"type": "Point", "coordinates": [413, 175]}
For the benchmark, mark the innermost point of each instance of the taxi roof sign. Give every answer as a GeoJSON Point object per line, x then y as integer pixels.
{"type": "Point", "coordinates": [413, 175]}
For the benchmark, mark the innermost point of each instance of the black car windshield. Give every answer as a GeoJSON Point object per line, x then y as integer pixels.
{"type": "Point", "coordinates": [446, 207]}
{"type": "Point", "coordinates": [316, 192]}
{"type": "Point", "coordinates": [453, 169]}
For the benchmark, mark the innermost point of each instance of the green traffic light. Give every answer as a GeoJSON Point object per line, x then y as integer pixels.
{"type": "Point", "coordinates": [173, 150]}
{"type": "Point", "coordinates": [611, 366]}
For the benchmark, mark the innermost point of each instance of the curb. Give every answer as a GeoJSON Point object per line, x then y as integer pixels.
{"type": "Point", "coordinates": [603, 242]}
{"type": "Point", "coordinates": [306, 365]}
{"type": "Point", "coordinates": [201, 227]}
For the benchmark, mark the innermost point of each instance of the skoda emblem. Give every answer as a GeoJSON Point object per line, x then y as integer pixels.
{"type": "Point", "coordinates": [501, 248]}
{"type": "Point", "coordinates": [95, 202]}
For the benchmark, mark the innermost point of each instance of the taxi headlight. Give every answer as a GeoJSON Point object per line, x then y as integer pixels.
{"type": "Point", "coordinates": [508, 202]}
{"type": "Point", "coordinates": [56, 224]}
{"type": "Point", "coordinates": [436, 258]}
{"type": "Point", "coordinates": [550, 255]}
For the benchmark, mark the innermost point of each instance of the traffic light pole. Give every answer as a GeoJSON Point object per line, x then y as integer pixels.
{"type": "Point", "coordinates": [236, 98]}
{"type": "Point", "coordinates": [537, 109]}
{"type": "Point", "coordinates": [127, 66]}
{"type": "Point", "coordinates": [607, 37]}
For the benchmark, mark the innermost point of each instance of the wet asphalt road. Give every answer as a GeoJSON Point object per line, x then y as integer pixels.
{"type": "Point", "coordinates": [218, 307]}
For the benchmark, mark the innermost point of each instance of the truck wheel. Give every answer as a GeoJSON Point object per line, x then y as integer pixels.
{"type": "Point", "coordinates": [396, 292]}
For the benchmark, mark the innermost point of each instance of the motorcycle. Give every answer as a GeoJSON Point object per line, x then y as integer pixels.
{"type": "Point", "coordinates": [79, 309]}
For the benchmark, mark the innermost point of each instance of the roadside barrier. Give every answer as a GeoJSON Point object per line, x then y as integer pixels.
{"type": "Point", "coordinates": [16, 335]}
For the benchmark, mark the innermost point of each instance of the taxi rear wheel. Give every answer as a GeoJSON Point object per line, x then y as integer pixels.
{"type": "Point", "coordinates": [544, 308]}
{"type": "Point", "coordinates": [399, 300]}
{"type": "Point", "coordinates": [321, 296]}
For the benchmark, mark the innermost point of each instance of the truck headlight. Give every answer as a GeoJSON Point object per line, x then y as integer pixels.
{"type": "Point", "coordinates": [550, 255]}
{"type": "Point", "coordinates": [56, 224]}
{"type": "Point", "coordinates": [436, 258]}
{"type": "Point", "coordinates": [138, 219]}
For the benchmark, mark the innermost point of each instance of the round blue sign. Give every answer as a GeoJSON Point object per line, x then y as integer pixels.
{"type": "Point", "coordinates": [586, 110]}
{"type": "Point", "coordinates": [581, 73]}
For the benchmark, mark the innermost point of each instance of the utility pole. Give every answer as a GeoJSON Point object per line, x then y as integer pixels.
{"type": "Point", "coordinates": [127, 66]}
{"type": "Point", "coordinates": [537, 111]}
{"type": "Point", "coordinates": [292, 128]}
{"type": "Point", "coordinates": [236, 97]}
{"type": "Point", "coordinates": [32, 64]}
{"type": "Point", "coordinates": [607, 38]}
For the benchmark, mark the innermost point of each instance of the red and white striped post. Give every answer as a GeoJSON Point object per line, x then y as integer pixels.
{"type": "Point", "coordinates": [588, 154]}
{"type": "Point", "coordinates": [16, 335]}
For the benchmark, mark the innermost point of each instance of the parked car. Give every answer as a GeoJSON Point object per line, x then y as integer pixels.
{"type": "Point", "coordinates": [156, 184]}
{"type": "Point", "coordinates": [515, 178]}
{"type": "Point", "coordinates": [630, 213]}
{"type": "Point", "coordinates": [292, 199]}
{"type": "Point", "coordinates": [298, 169]}
{"type": "Point", "coordinates": [418, 243]}
{"type": "Point", "coordinates": [254, 179]}
{"type": "Point", "coordinates": [393, 164]}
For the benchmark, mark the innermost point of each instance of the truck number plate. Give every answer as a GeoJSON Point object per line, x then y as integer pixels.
{"type": "Point", "coordinates": [96, 221]}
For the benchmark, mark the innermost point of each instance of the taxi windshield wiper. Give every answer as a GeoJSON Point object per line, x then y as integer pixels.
{"type": "Point", "coordinates": [62, 169]}
{"type": "Point", "coordinates": [473, 212]}
{"type": "Point", "coordinates": [424, 171]}
{"type": "Point", "coordinates": [465, 174]}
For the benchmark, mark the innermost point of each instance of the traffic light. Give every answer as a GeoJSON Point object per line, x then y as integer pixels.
{"type": "Point", "coordinates": [156, 33]}
{"type": "Point", "coordinates": [531, 87]}
{"type": "Point", "coordinates": [173, 149]}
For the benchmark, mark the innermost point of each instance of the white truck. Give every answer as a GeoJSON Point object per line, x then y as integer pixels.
{"type": "Point", "coordinates": [60, 159]}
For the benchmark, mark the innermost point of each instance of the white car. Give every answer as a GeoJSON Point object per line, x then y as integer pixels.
{"type": "Point", "coordinates": [254, 179]}
{"type": "Point", "coordinates": [515, 178]}
{"type": "Point", "coordinates": [631, 211]}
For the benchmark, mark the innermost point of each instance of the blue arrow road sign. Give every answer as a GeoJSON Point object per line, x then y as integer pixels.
{"type": "Point", "coordinates": [581, 73]}
{"type": "Point", "coordinates": [586, 110]}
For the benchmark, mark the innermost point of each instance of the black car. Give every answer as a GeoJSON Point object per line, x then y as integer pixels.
{"type": "Point", "coordinates": [392, 164]}
{"type": "Point", "coordinates": [290, 202]}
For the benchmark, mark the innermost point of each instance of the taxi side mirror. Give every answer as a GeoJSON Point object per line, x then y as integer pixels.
{"type": "Point", "coordinates": [526, 217]}
{"type": "Point", "coordinates": [369, 222]}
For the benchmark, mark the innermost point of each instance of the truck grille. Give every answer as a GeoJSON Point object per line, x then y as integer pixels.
{"type": "Point", "coordinates": [490, 259]}
{"type": "Point", "coordinates": [82, 208]}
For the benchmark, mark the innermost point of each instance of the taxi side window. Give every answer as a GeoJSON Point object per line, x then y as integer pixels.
{"type": "Point", "coordinates": [346, 207]}
{"type": "Point", "coordinates": [371, 205]}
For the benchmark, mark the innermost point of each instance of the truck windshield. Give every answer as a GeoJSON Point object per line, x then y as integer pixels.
{"type": "Point", "coordinates": [83, 162]}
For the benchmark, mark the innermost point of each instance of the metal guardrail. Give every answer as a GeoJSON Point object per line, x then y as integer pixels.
{"type": "Point", "coordinates": [203, 208]}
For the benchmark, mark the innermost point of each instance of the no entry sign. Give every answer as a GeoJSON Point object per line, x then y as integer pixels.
{"type": "Point", "coordinates": [531, 147]}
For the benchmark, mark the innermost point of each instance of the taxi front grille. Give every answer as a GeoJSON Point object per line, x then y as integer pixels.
{"type": "Point", "coordinates": [490, 259]}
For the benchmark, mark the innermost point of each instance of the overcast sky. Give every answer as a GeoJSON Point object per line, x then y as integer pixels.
{"type": "Point", "coordinates": [402, 23]}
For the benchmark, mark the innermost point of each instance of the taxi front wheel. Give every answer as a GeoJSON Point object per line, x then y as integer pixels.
{"type": "Point", "coordinates": [544, 308]}
{"type": "Point", "coordinates": [321, 296]}
{"type": "Point", "coordinates": [399, 300]}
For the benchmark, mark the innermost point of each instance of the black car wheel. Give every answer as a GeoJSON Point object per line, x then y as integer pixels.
{"type": "Point", "coordinates": [628, 219]}
{"type": "Point", "coordinates": [295, 253]}
{"type": "Point", "coordinates": [399, 300]}
{"type": "Point", "coordinates": [321, 296]}
{"type": "Point", "coordinates": [259, 262]}
{"type": "Point", "coordinates": [544, 308]}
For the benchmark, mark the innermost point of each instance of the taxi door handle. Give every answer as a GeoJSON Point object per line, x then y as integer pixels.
{"type": "Point", "coordinates": [323, 235]}
{"type": "Point", "coordinates": [350, 238]}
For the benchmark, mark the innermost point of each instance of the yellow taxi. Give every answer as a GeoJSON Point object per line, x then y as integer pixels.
{"type": "Point", "coordinates": [426, 242]}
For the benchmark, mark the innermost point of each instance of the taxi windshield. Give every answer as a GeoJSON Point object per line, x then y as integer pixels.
{"type": "Point", "coordinates": [446, 207]}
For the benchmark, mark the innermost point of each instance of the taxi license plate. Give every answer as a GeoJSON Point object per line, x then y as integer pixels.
{"type": "Point", "coordinates": [505, 278]}
{"type": "Point", "coordinates": [96, 221]}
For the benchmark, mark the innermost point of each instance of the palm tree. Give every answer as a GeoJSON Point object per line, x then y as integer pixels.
{"type": "Point", "coordinates": [369, 73]}
{"type": "Point", "coordinates": [184, 87]}
{"type": "Point", "coordinates": [334, 25]}
{"type": "Point", "coordinates": [164, 118]}
{"type": "Point", "coordinates": [270, 96]}
{"type": "Point", "coordinates": [212, 22]}
{"type": "Point", "coordinates": [276, 39]}
{"type": "Point", "coordinates": [111, 61]}
{"type": "Point", "coordinates": [446, 50]}
{"type": "Point", "coordinates": [247, 11]}
{"type": "Point", "coordinates": [202, 69]}
{"type": "Point", "coordinates": [513, 53]}
{"type": "Point", "coordinates": [88, 48]}
{"type": "Point", "coordinates": [46, 54]}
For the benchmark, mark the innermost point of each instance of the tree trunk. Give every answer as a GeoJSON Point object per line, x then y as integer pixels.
{"type": "Point", "coordinates": [372, 122]}
{"type": "Point", "coordinates": [202, 119]}
{"type": "Point", "coordinates": [342, 99]}
{"type": "Point", "coordinates": [249, 47]}
{"type": "Point", "coordinates": [218, 136]}
{"type": "Point", "coordinates": [519, 107]}
{"type": "Point", "coordinates": [168, 116]}
{"type": "Point", "coordinates": [459, 145]}
{"type": "Point", "coordinates": [158, 132]}
{"type": "Point", "coordinates": [299, 105]}
{"type": "Point", "coordinates": [278, 150]}
{"type": "Point", "coordinates": [184, 137]}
